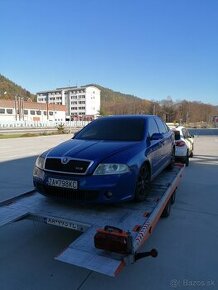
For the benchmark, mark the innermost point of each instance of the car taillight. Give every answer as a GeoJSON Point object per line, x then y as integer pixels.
{"type": "Point", "coordinates": [180, 143]}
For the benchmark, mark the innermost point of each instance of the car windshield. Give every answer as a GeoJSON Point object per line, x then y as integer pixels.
{"type": "Point", "coordinates": [115, 129]}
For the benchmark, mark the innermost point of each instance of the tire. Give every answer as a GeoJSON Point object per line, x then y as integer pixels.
{"type": "Point", "coordinates": [172, 161]}
{"type": "Point", "coordinates": [167, 209]}
{"type": "Point", "coordinates": [187, 159]}
{"type": "Point", "coordinates": [173, 197]}
{"type": "Point", "coordinates": [143, 184]}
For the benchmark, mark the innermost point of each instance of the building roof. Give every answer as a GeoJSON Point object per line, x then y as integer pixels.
{"type": "Point", "coordinates": [68, 88]}
{"type": "Point", "coordinates": [32, 105]}
{"type": "Point", "coordinates": [50, 91]}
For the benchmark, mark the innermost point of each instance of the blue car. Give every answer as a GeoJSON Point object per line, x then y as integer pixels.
{"type": "Point", "coordinates": [112, 159]}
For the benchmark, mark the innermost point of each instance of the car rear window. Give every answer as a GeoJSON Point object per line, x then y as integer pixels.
{"type": "Point", "coordinates": [177, 135]}
{"type": "Point", "coordinates": [114, 129]}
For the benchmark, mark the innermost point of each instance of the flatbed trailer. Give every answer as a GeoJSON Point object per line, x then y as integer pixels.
{"type": "Point", "coordinates": [112, 235]}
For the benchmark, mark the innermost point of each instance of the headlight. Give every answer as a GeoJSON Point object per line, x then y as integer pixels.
{"type": "Point", "coordinates": [111, 168]}
{"type": "Point", "coordinates": [40, 161]}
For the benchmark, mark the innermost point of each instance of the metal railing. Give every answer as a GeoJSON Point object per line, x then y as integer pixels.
{"type": "Point", "coordinates": [47, 124]}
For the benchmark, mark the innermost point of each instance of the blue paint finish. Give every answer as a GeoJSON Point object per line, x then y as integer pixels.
{"type": "Point", "coordinates": [126, 141]}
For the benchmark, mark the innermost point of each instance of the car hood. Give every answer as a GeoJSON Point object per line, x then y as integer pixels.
{"type": "Point", "coordinates": [91, 150]}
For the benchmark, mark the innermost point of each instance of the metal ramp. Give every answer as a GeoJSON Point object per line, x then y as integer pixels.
{"type": "Point", "coordinates": [137, 218]}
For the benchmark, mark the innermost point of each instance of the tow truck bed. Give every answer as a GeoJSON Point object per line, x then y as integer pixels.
{"type": "Point", "coordinates": [138, 219]}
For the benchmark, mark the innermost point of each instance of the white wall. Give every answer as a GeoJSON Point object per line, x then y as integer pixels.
{"type": "Point", "coordinates": [59, 116]}
{"type": "Point", "coordinates": [92, 100]}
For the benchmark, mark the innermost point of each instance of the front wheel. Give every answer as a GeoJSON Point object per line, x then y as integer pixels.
{"type": "Point", "coordinates": [143, 183]}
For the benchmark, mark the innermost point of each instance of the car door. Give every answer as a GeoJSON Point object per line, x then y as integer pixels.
{"type": "Point", "coordinates": [154, 149]}
{"type": "Point", "coordinates": [166, 141]}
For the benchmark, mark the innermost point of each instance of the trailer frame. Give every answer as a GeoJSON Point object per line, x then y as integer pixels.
{"type": "Point", "coordinates": [136, 219]}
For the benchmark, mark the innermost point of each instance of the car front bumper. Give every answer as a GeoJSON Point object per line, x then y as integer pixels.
{"type": "Point", "coordinates": [91, 188]}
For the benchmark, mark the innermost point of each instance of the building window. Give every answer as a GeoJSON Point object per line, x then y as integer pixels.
{"type": "Point", "coordinates": [51, 113]}
{"type": "Point", "coordinates": [45, 113]}
{"type": "Point", "coordinates": [25, 112]}
{"type": "Point", "coordinates": [9, 111]}
{"type": "Point", "coordinates": [38, 112]}
{"type": "Point", "coordinates": [2, 111]}
{"type": "Point", "coordinates": [32, 112]}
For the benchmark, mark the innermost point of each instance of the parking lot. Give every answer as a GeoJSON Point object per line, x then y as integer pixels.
{"type": "Point", "coordinates": [187, 241]}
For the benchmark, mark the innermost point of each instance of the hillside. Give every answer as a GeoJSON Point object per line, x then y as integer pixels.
{"type": "Point", "coordinates": [113, 102]}
{"type": "Point", "coordinates": [8, 90]}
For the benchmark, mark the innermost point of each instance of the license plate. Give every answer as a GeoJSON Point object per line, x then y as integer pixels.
{"type": "Point", "coordinates": [61, 223]}
{"type": "Point", "coordinates": [73, 184]}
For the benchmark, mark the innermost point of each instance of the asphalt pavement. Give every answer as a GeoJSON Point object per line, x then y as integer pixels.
{"type": "Point", "coordinates": [187, 240]}
{"type": "Point", "coordinates": [17, 159]}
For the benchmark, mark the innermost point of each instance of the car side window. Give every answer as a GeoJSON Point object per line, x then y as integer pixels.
{"type": "Point", "coordinates": [184, 133]}
{"type": "Point", "coordinates": [152, 127]}
{"type": "Point", "coordinates": [188, 134]}
{"type": "Point", "coordinates": [162, 127]}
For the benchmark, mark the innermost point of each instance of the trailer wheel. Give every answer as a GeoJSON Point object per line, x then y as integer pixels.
{"type": "Point", "coordinates": [167, 209]}
{"type": "Point", "coordinates": [173, 197]}
{"type": "Point", "coordinates": [143, 183]}
{"type": "Point", "coordinates": [187, 159]}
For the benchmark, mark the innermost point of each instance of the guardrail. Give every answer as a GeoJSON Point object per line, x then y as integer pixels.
{"type": "Point", "coordinates": [28, 124]}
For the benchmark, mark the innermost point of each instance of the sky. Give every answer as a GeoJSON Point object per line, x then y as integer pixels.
{"type": "Point", "coordinates": [152, 49]}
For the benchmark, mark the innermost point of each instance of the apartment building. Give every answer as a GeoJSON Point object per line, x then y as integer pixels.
{"type": "Point", "coordinates": [83, 101]}
{"type": "Point", "coordinates": [20, 110]}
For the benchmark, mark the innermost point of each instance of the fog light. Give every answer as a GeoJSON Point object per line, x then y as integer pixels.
{"type": "Point", "coordinates": [37, 172]}
{"type": "Point", "coordinates": [108, 194]}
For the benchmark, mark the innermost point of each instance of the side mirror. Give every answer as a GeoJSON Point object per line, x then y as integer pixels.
{"type": "Point", "coordinates": [190, 136]}
{"type": "Point", "coordinates": [156, 136]}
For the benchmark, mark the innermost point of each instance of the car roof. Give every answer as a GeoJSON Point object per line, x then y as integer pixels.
{"type": "Point", "coordinates": [176, 127]}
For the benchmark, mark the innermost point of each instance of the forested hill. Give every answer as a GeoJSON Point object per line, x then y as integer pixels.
{"type": "Point", "coordinates": [113, 103]}
{"type": "Point", "coordinates": [8, 90]}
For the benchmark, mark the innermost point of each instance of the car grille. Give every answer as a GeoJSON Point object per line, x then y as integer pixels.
{"type": "Point", "coordinates": [66, 194]}
{"type": "Point", "coordinates": [73, 166]}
